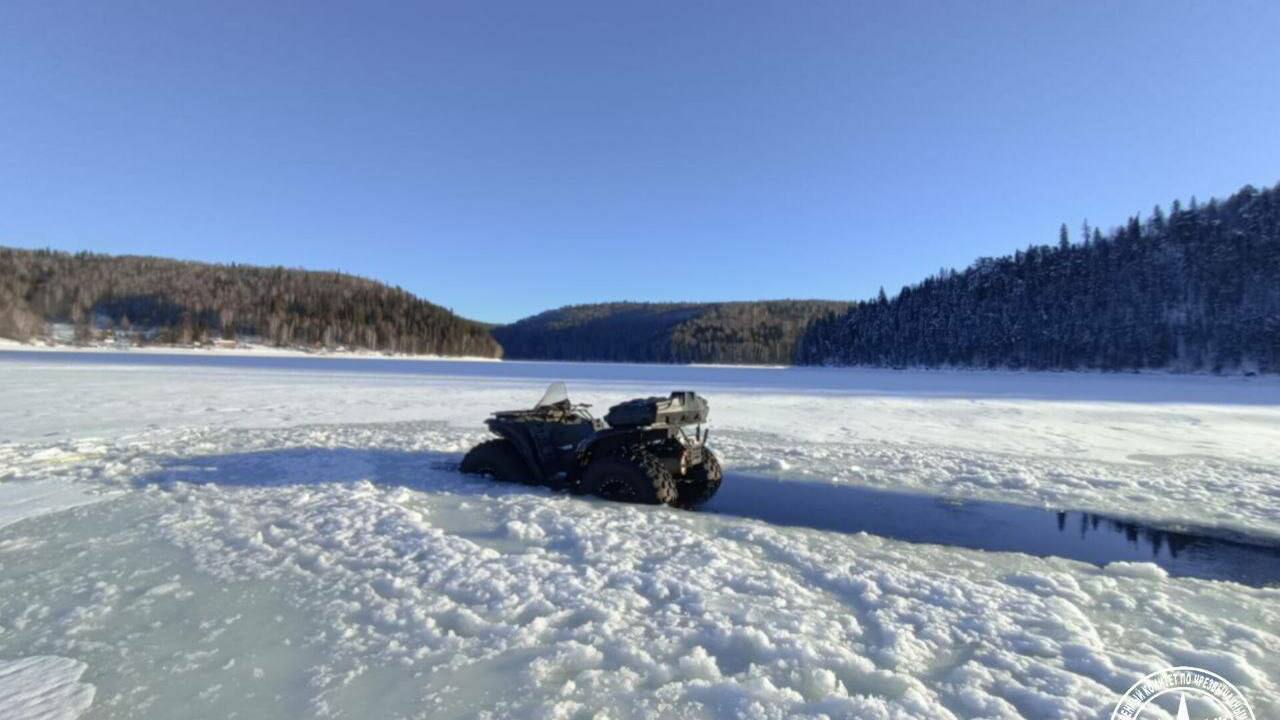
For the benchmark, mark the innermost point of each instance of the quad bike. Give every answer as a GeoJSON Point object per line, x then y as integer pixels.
{"type": "Point", "coordinates": [638, 453]}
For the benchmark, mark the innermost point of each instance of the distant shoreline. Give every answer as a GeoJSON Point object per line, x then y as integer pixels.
{"type": "Point", "coordinates": [239, 349]}
{"type": "Point", "coordinates": [218, 349]}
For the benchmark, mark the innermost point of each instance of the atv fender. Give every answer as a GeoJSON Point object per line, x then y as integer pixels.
{"type": "Point", "coordinates": [525, 447]}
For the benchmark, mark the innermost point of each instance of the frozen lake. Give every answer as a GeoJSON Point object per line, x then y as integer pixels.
{"type": "Point", "coordinates": [215, 536]}
{"type": "Point", "coordinates": [1108, 387]}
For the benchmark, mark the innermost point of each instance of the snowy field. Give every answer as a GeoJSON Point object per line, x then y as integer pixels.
{"type": "Point", "coordinates": [204, 537]}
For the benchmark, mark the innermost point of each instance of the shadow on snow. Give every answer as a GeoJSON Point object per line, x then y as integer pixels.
{"type": "Point", "coordinates": [974, 524]}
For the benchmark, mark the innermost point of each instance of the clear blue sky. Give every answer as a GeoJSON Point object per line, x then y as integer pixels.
{"type": "Point", "coordinates": [501, 158]}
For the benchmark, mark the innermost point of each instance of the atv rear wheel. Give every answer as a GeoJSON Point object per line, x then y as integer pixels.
{"type": "Point", "coordinates": [702, 481]}
{"type": "Point", "coordinates": [633, 475]}
{"type": "Point", "coordinates": [498, 459]}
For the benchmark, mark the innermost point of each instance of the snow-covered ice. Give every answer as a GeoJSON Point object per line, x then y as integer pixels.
{"type": "Point", "coordinates": [289, 539]}
{"type": "Point", "coordinates": [22, 500]}
{"type": "Point", "coordinates": [43, 688]}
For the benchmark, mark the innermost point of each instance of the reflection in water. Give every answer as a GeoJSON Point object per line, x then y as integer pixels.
{"type": "Point", "coordinates": [995, 526]}
{"type": "Point", "coordinates": [1161, 542]}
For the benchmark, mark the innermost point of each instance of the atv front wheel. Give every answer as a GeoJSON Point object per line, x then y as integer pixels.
{"type": "Point", "coordinates": [498, 459]}
{"type": "Point", "coordinates": [702, 481]}
{"type": "Point", "coordinates": [633, 475]}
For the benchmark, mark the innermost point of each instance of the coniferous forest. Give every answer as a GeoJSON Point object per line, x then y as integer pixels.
{"type": "Point", "coordinates": [763, 332]}
{"type": "Point", "coordinates": [1196, 288]}
{"type": "Point", "coordinates": [1193, 289]}
{"type": "Point", "coordinates": [184, 302]}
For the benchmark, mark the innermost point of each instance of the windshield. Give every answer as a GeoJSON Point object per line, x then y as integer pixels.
{"type": "Point", "coordinates": [556, 393]}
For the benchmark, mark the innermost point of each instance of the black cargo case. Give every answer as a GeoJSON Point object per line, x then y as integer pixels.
{"type": "Point", "coordinates": [681, 408]}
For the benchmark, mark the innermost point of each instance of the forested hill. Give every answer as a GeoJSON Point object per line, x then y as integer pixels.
{"type": "Point", "coordinates": [1195, 289]}
{"type": "Point", "coordinates": [729, 332]}
{"type": "Point", "coordinates": [171, 301]}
